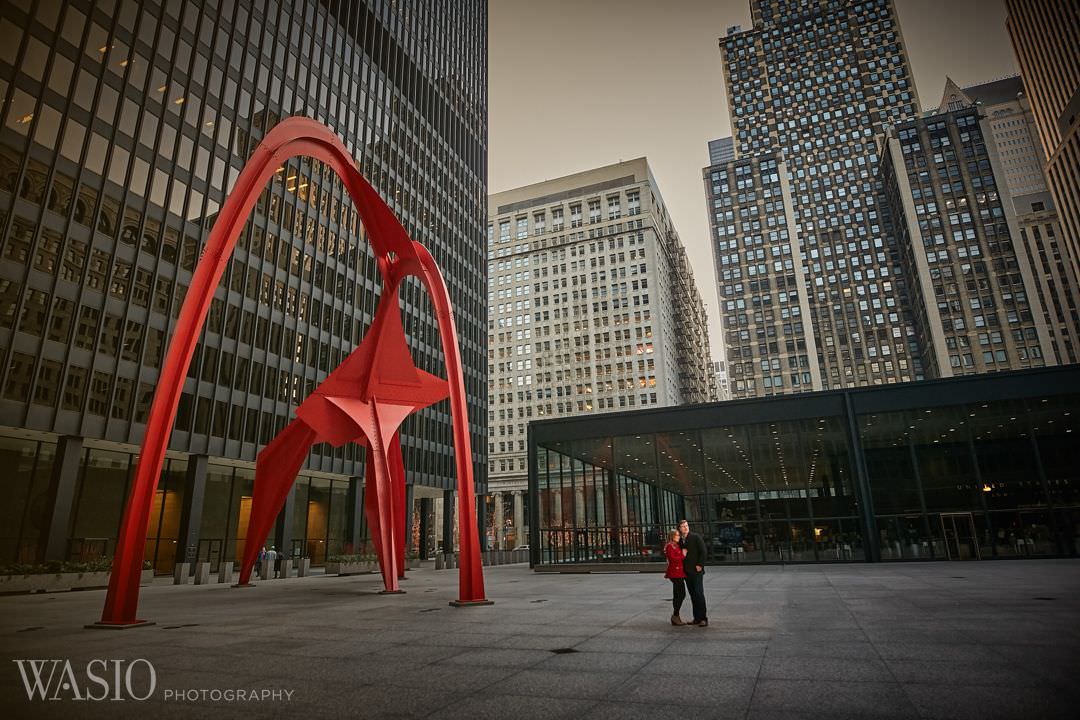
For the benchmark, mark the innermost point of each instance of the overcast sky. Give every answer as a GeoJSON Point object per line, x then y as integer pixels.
{"type": "Point", "coordinates": [577, 84]}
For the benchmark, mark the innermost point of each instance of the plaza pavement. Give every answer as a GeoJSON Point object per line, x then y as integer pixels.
{"type": "Point", "coordinates": [918, 640]}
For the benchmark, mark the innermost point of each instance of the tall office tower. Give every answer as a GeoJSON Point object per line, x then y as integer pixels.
{"type": "Point", "coordinates": [1046, 39]}
{"type": "Point", "coordinates": [768, 338]}
{"type": "Point", "coordinates": [124, 126]}
{"type": "Point", "coordinates": [592, 308]}
{"type": "Point", "coordinates": [1014, 135]}
{"type": "Point", "coordinates": [814, 81]}
{"type": "Point", "coordinates": [973, 295]}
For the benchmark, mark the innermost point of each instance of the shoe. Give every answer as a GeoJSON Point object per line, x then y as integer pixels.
{"type": "Point", "coordinates": [676, 620]}
{"type": "Point", "coordinates": [701, 623]}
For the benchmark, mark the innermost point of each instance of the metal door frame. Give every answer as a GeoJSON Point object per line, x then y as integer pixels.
{"type": "Point", "coordinates": [971, 526]}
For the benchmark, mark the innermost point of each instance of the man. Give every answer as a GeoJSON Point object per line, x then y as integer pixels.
{"type": "Point", "coordinates": [694, 565]}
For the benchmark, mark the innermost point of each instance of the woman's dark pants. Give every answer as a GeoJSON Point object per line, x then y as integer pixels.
{"type": "Point", "coordinates": [678, 585]}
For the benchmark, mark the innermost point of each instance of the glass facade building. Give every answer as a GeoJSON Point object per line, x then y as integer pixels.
{"type": "Point", "coordinates": [972, 467]}
{"type": "Point", "coordinates": [124, 124]}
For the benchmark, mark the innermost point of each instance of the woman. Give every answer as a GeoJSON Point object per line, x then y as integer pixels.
{"type": "Point", "coordinates": [675, 574]}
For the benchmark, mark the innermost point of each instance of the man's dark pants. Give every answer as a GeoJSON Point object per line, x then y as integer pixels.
{"type": "Point", "coordinates": [695, 584]}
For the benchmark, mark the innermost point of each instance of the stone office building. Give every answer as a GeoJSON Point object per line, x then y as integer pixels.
{"type": "Point", "coordinates": [972, 292]}
{"type": "Point", "coordinates": [124, 126]}
{"type": "Point", "coordinates": [810, 85]}
{"type": "Point", "coordinates": [1046, 39]}
{"type": "Point", "coordinates": [1020, 160]}
{"type": "Point", "coordinates": [593, 308]}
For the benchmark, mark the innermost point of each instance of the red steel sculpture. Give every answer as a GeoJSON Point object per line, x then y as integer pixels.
{"type": "Point", "coordinates": [364, 400]}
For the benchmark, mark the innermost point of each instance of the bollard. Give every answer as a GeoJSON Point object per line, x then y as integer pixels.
{"type": "Point", "coordinates": [202, 573]}
{"type": "Point", "coordinates": [303, 567]}
{"type": "Point", "coordinates": [266, 569]}
{"type": "Point", "coordinates": [286, 568]}
{"type": "Point", "coordinates": [225, 572]}
{"type": "Point", "coordinates": [440, 562]}
{"type": "Point", "coordinates": [180, 573]}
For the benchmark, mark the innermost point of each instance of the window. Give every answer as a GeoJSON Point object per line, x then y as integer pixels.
{"type": "Point", "coordinates": [614, 207]}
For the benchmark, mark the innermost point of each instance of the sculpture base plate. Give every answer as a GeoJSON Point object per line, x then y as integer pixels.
{"type": "Point", "coordinates": [470, 603]}
{"type": "Point", "coordinates": [391, 592]}
{"type": "Point", "coordinates": [119, 626]}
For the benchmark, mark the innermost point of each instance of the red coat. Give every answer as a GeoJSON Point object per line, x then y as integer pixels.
{"type": "Point", "coordinates": [674, 562]}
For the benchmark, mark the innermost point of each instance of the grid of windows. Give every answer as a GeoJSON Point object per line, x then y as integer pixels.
{"type": "Point", "coordinates": [972, 307]}
{"type": "Point", "coordinates": [817, 80]}
{"type": "Point", "coordinates": [587, 319]}
{"type": "Point", "coordinates": [767, 336]}
{"type": "Point", "coordinates": [127, 122]}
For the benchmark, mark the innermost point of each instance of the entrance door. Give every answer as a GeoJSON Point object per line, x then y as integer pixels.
{"type": "Point", "coordinates": [961, 541]}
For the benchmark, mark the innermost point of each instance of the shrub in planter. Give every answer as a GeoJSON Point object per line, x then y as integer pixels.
{"type": "Point", "coordinates": [60, 575]}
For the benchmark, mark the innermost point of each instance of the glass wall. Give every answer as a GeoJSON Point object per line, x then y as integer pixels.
{"type": "Point", "coordinates": [24, 513]}
{"type": "Point", "coordinates": [763, 492]}
{"type": "Point", "coordinates": [986, 479]}
{"type": "Point", "coordinates": [924, 479]}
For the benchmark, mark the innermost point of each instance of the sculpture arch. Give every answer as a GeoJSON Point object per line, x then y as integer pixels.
{"type": "Point", "coordinates": [397, 256]}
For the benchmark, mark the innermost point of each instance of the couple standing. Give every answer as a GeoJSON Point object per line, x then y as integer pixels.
{"type": "Point", "coordinates": [685, 552]}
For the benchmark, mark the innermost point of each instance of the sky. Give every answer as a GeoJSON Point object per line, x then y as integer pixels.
{"type": "Point", "coordinates": [578, 84]}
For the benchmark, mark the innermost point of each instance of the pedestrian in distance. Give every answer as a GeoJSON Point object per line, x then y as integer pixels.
{"type": "Point", "coordinates": [694, 566]}
{"type": "Point", "coordinates": [676, 574]}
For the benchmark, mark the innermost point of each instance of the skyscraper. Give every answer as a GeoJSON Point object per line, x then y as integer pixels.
{"type": "Point", "coordinates": [123, 130]}
{"type": "Point", "coordinates": [1046, 38]}
{"type": "Point", "coordinates": [973, 298]}
{"type": "Point", "coordinates": [1020, 160]}
{"type": "Point", "coordinates": [769, 341]}
{"type": "Point", "coordinates": [810, 85]}
{"type": "Point", "coordinates": [593, 308]}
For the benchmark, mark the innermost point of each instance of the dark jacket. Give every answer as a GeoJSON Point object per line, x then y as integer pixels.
{"type": "Point", "coordinates": [695, 553]}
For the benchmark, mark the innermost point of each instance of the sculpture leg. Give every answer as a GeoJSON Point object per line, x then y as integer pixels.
{"type": "Point", "coordinates": [470, 571]}
{"type": "Point", "coordinates": [275, 472]}
{"type": "Point", "coordinates": [397, 481]}
{"type": "Point", "coordinates": [371, 504]}
{"type": "Point", "coordinates": [379, 505]}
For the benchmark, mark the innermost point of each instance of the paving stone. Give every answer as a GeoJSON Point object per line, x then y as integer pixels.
{"type": "Point", "coordinates": [825, 668]}
{"type": "Point", "coordinates": [869, 699]}
{"type": "Point", "coordinates": [981, 702]}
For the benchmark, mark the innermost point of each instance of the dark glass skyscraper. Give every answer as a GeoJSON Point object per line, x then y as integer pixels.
{"type": "Point", "coordinates": [124, 125]}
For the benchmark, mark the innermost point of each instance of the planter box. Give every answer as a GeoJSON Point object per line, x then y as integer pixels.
{"type": "Point", "coordinates": [350, 568]}
{"type": "Point", "coordinates": [54, 582]}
